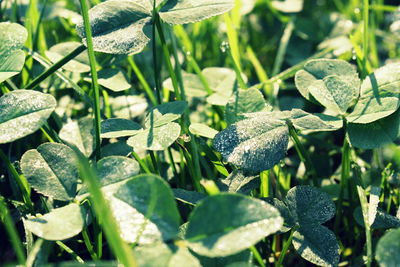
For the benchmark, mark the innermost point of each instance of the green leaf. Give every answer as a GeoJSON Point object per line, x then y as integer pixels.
{"type": "Point", "coordinates": [380, 95]}
{"type": "Point", "coordinates": [119, 26]}
{"type": "Point", "coordinates": [188, 197]}
{"type": "Point", "coordinates": [192, 84]}
{"type": "Point", "coordinates": [310, 206]}
{"type": "Point", "coordinates": [150, 199]}
{"type": "Point", "coordinates": [128, 107]}
{"type": "Point", "coordinates": [289, 220]}
{"type": "Point", "coordinates": [156, 139]}
{"type": "Point", "coordinates": [115, 169]}
{"type": "Point", "coordinates": [382, 219]}
{"type": "Point", "coordinates": [12, 58]}
{"type": "Point", "coordinates": [226, 224]}
{"type": "Point", "coordinates": [113, 79]}
{"type": "Point", "coordinates": [164, 255]}
{"type": "Point", "coordinates": [333, 83]}
{"type": "Point", "coordinates": [387, 250]}
{"type": "Point", "coordinates": [187, 11]}
{"type": "Point", "coordinates": [317, 244]}
{"type": "Point", "coordinates": [79, 64]}
{"type": "Point", "coordinates": [238, 182]}
{"type": "Point", "coordinates": [23, 112]}
{"type": "Point", "coordinates": [255, 144]}
{"type": "Point", "coordinates": [116, 128]}
{"type": "Point", "coordinates": [58, 224]}
{"type": "Point", "coordinates": [305, 121]}
{"type": "Point", "coordinates": [165, 113]}
{"type": "Point", "coordinates": [376, 134]}
{"type": "Point", "coordinates": [288, 6]}
{"type": "Point", "coordinates": [202, 130]}
{"type": "Point", "coordinates": [80, 134]}
{"type": "Point", "coordinates": [86, 264]}
{"type": "Point", "coordinates": [244, 101]}
{"type": "Point", "coordinates": [52, 170]}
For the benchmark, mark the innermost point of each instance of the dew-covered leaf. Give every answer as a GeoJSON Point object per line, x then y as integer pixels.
{"type": "Point", "coordinates": [113, 79]}
{"type": "Point", "coordinates": [188, 197]}
{"type": "Point", "coordinates": [305, 121]}
{"type": "Point", "coordinates": [51, 170]}
{"type": "Point", "coordinates": [128, 107]}
{"type": "Point", "coordinates": [119, 26]}
{"type": "Point", "coordinates": [86, 264]}
{"type": "Point", "coordinates": [165, 255]}
{"type": "Point", "coordinates": [119, 148]}
{"type": "Point", "coordinates": [79, 64]}
{"type": "Point", "coordinates": [375, 134]}
{"type": "Point", "coordinates": [58, 224]}
{"type": "Point", "coordinates": [382, 219]}
{"type": "Point", "coordinates": [149, 199]}
{"type": "Point", "coordinates": [165, 113]}
{"type": "Point", "coordinates": [23, 112]}
{"type": "Point", "coordinates": [226, 224]}
{"type": "Point", "coordinates": [289, 221]}
{"type": "Point", "coordinates": [115, 128]}
{"type": "Point", "coordinates": [238, 182]}
{"type": "Point", "coordinates": [310, 206]}
{"type": "Point", "coordinates": [157, 138]}
{"type": "Point", "coordinates": [189, 11]}
{"type": "Point", "coordinates": [333, 83]}
{"type": "Point", "coordinates": [115, 169]}
{"type": "Point", "coordinates": [80, 134]}
{"type": "Point", "coordinates": [288, 6]}
{"type": "Point", "coordinates": [202, 130]}
{"type": "Point", "coordinates": [244, 101]}
{"type": "Point", "coordinates": [12, 58]}
{"type": "Point", "coordinates": [317, 244]}
{"type": "Point", "coordinates": [379, 96]}
{"type": "Point", "coordinates": [387, 250]}
{"type": "Point", "coordinates": [253, 145]}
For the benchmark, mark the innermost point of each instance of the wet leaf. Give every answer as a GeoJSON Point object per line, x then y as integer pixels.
{"type": "Point", "coordinates": [376, 134]}
{"type": "Point", "coordinates": [150, 207]}
{"type": "Point", "coordinates": [333, 83]}
{"type": "Point", "coordinates": [382, 219]}
{"type": "Point", "coordinates": [317, 244]}
{"type": "Point", "coordinates": [115, 169]}
{"type": "Point", "coordinates": [226, 224]}
{"type": "Point", "coordinates": [255, 144]}
{"type": "Point", "coordinates": [387, 249]}
{"type": "Point", "coordinates": [79, 64]}
{"type": "Point", "coordinates": [155, 139]}
{"type": "Point", "coordinates": [116, 128]}
{"type": "Point", "coordinates": [51, 170]}
{"type": "Point", "coordinates": [128, 107]}
{"type": "Point", "coordinates": [165, 255]}
{"type": "Point", "coordinates": [238, 182]}
{"type": "Point", "coordinates": [244, 101]}
{"type": "Point", "coordinates": [80, 134]}
{"type": "Point", "coordinates": [114, 79]}
{"type": "Point", "coordinates": [188, 197]}
{"type": "Point", "coordinates": [58, 224]}
{"type": "Point", "coordinates": [305, 121]}
{"type": "Point", "coordinates": [119, 27]}
{"type": "Point", "coordinates": [380, 95]}
{"type": "Point", "coordinates": [310, 206]}
{"type": "Point", "coordinates": [192, 84]}
{"type": "Point", "coordinates": [12, 58]}
{"type": "Point", "coordinates": [23, 112]}
{"type": "Point", "coordinates": [188, 11]}
{"type": "Point", "coordinates": [165, 113]}
{"type": "Point", "coordinates": [289, 221]}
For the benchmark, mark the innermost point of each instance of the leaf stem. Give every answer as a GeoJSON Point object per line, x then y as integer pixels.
{"type": "Point", "coordinates": [95, 84]}
{"type": "Point", "coordinates": [365, 36]}
{"type": "Point", "coordinates": [12, 232]}
{"type": "Point", "coordinates": [103, 212]}
{"type": "Point", "coordinates": [55, 67]}
{"type": "Point", "coordinates": [285, 248]}
{"type": "Point", "coordinates": [257, 255]}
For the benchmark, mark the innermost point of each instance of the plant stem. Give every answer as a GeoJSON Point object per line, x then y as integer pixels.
{"type": "Point", "coordinates": [257, 256]}
{"type": "Point", "coordinates": [365, 36]}
{"type": "Point", "coordinates": [103, 212]}
{"type": "Point", "coordinates": [141, 163]}
{"type": "Point", "coordinates": [285, 248]}
{"type": "Point", "coordinates": [55, 67]}
{"type": "Point", "coordinates": [155, 59]}
{"type": "Point", "coordinates": [264, 187]}
{"type": "Point", "coordinates": [96, 89]}
{"type": "Point", "coordinates": [283, 47]}
{"type": "Point", "coordinates": [88, 244]}
{"type": "Point", "coordinates": [21, 181]}
{"type": "Point", "coordinates": [70, 251]}
{"type": "Point", "coordinates": [12, 232]}
{"type": "Point", "coordinates": [303, 153]}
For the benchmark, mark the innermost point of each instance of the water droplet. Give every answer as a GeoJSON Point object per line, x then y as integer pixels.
{"type": "Point", "coordinates": [224, 46]}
